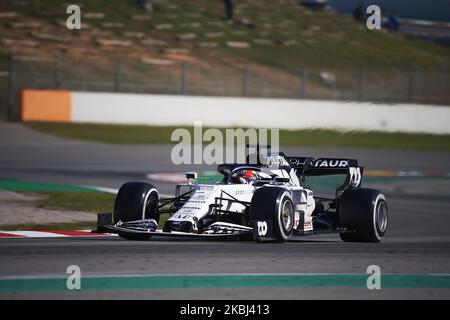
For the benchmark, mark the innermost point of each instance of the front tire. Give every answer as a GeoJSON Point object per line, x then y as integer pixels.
{"type": "Point", "coordinates": [276, 205]}
{"type": "Point", "coordinates": [136, 201]}
{"type": "Point", "coordinates": [364, 211]}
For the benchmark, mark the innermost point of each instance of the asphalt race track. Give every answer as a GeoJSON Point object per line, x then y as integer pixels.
{"type": "Point", "coordinates": [417, 243]}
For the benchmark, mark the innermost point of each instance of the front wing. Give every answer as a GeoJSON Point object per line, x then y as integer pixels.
{"type": "Point", "coordinates": [134, 232]}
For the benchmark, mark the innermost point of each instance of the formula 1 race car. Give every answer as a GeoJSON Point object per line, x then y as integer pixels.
{"type": "Point", "coordinates": [265, 201]}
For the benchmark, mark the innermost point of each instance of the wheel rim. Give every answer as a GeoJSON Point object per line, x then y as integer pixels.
{"type": "Point", "coordinates": [286, 215]}
{"type": "Point", "coordinates": [151, 205]}
{"type": "Point", "coordinates": [381, 217]}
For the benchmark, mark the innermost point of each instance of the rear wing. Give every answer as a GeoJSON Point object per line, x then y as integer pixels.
{"type": "Point", "coordinates": [306, 167]}
{"type": "Point", "coordinates": [322, 166]}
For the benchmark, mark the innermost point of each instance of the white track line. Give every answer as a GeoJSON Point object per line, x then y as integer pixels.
{"type": "Point", "coordinates": [35, 234]}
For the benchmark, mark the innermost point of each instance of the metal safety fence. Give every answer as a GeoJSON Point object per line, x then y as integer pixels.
{"type": "Point", "coordinates": [378, 85]}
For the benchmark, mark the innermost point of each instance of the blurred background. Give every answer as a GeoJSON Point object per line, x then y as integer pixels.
{"type": "Point", "coordinates": [310, 68]}
{"type": "Point", "coordinates": [312, 49]}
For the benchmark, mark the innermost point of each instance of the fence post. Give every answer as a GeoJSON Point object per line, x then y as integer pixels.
{"type": "Point", "coordinates": [334, 92]}
{"type": "Point", "coordinates": [303, 80]}
{"type": "Point", "coordinates": [56, 72]}
{"type": "Point", "coordinates": [361, 81]}
{"type": "Point", "coordinates": [410, 90]}
{"type": "Point", "coordinates": [183, 78]}
{"type": "Point", "coordinates": [381, 91]}
{"type": "Point", "coordinates": [118, 75]}
{"type": "Point", "coordinates": [10, 90]}
{"type": "Point", "coordinates": [83, 82]}
{"type": "Point", "coordinates": [245, 74]}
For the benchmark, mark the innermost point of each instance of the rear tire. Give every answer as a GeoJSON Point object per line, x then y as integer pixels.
{"type": "Point", "coordinates": [136, 201]}
{"type": "Point", "coordinates": [365, 212]}
{"type": "Point", "coordinates": [270, 203]}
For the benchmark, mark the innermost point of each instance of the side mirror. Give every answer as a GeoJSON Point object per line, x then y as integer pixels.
{"type": "Point", "coordinates": [190, 175]}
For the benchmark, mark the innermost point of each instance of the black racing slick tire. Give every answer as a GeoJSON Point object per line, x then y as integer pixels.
{"type": "Point", "coordinates": [136, 201]}
{"type": "Point", "coordinates": [276, 205]}
{"type": "Point", "coordinates": [365, 212]}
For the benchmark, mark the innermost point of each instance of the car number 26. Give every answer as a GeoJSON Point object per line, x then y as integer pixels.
{"type": "Point", "coordinates": [262, 228]}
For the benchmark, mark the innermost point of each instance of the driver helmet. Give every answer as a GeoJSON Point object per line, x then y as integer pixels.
{"type": "Point", "coordinates": [247, 177]}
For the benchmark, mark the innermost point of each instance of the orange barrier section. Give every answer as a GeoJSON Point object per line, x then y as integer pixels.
{"type": "Point", "coordinates": [46, 105]}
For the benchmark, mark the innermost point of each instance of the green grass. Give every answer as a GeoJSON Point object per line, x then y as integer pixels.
{"type": "Point", "coordinates": [122, 134]}
{"type": "Point", "coordinates": [126, 134]}
{"type": "Point", "coordinates": [376, 140]}
{"type": "Point", "coordinates": [322, 36]}
{"type": "Point", "coordinates": [95, 202]}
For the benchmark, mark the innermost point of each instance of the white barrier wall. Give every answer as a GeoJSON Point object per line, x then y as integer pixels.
{"type": "Point", "coordinates": [251, 112]}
